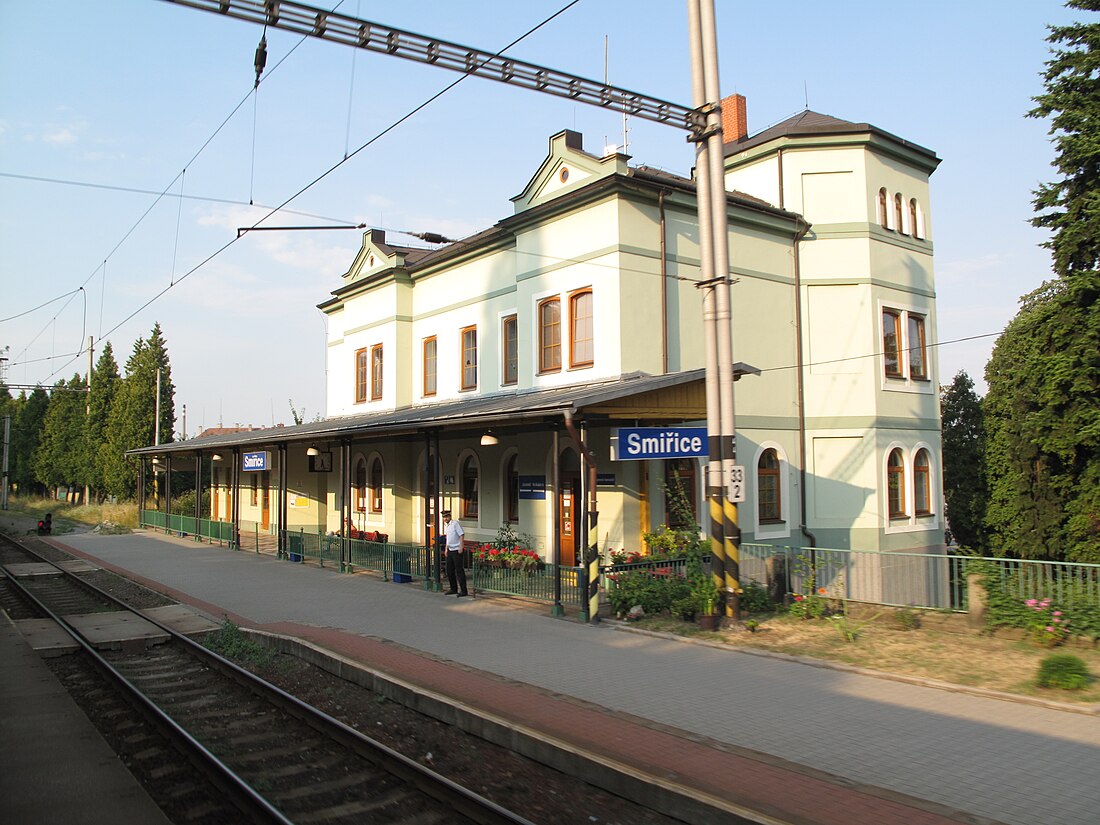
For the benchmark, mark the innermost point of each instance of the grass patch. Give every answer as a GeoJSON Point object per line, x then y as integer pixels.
{"type": "Point", "coordinates": [66, 516]}
{"type": "Point", "coordinates": [229, 641]}
{"type": "Point", "coordinates": [964, 658]}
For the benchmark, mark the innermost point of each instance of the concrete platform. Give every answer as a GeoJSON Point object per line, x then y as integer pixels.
{"type": "Point", "coordinates": [54, 765]}
{"type": "Point", "coordinates": [33, 568]}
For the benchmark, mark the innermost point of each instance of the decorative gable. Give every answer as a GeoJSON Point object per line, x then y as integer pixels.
{"type": "Point", "coordinates": [374, 256]}
{"type": "Point", "coordinates": [567, 168]}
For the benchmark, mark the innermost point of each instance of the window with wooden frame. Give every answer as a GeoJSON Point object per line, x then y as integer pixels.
{"type": "Point", "coordinates": [581, 349]}
{"type": "Point", "coordinates": [883, 209]}
{"type": "Point", "coordinates": [469, 488]}
{"type": "Point", "coordinates": [430, 372]}
{"type": "Point", "coordinates": [376, 372]}
{"type": "Point", "coordinates": [549, 315]}
{"type": "Point", "coordinates": [255, 490]}
{"type": "Point", "coordinates": [511, 499]}
{"type": "Point", "coordinates": [899, 214]}
{"type": "Point", "coordinates": [376, 486]}
{"type": "Point", "coordinates": [361, 375]}
{"type": "Point", "coordinates": [768, 501]}
{"type": "Point", "coordinates": [680, 493]}
{"type": "Point", "coordinates": [895, 484]}
{"type": "Point", "coordinates": [918, 359]}
{"type": "Point", "coordinates": [469, 358]}
{"type": "Point", "coordinates": [510, 349]}
{"type": "Point", "coordinates": [916, 219]}
{"type": "Point", "coordinates": [361, 486]}
{"type": "Point", "coordinates": [922, 484]}
{"type": "Point", "coordinates": [891, 342]}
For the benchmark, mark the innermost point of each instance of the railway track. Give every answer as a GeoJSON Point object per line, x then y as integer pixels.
{"type": "Point", "coordinates": [273, 757]}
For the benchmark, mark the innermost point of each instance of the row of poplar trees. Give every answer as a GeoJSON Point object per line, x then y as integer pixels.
{"type": "Point", "coordinates": [1022, 465]}
{"type": "Point", "coordinates": [70, 438]}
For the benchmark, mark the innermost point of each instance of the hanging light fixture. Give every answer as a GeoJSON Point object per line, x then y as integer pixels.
{"type": "Point", "coordinates": [216, 457]}
{"type": "Point", "coordinates": [488, 440]}
{"type": "Point", "coordinates": [313, 451]}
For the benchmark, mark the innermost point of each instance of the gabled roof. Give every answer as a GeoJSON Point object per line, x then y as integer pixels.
{"type": "Point", "coordinates": [512, 409]}
{"type": "Point", "coordinates": [810, 124]}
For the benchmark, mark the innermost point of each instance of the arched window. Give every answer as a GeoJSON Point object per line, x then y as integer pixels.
{"type": "Point", "coordinates": [550, 335]}
{"type": "Point", "coordinates": [361, 486]}
{"type": "Point", "coordinates": [768, 502]}
{"type": "Point", "coordinates": [511, 492]}
{"type": "Point", "coordinates": [376, 486]}
{"type": "Point", "coordinates": [680, 493]}
{"type": "Point", "coordinates": [916, 220]}
{"type": "Point", "coordinates": [899, 214]}
{"type": "Point", "coordinates": [469, 488]}
{"type": "Point", "coordinates": [581, 352]}
{"type": "Point", "coordinates": [895, 484]}
{"type": "Point", "coordinates": [922, 483]}
{"type": "Point", "coordinates": [883, 211]}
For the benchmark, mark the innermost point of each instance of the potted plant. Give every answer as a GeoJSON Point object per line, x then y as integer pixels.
{"type": "Point", "coordinates": [705, 593]}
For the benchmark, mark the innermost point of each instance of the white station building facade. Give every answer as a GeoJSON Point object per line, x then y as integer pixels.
{"type": "Point", "coordinates": [499, 375]}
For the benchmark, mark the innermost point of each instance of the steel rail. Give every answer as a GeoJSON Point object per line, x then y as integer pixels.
{"type": "Point", "coordinates": [383, 39]}
{"type": "Point", "coordinates": [462, 800]}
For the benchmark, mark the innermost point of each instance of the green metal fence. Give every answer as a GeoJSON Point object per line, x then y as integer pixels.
{"type": "Point", "coordinates": [199, 528]}
{"type": "Point", "coordinates": [898, 579]}
{"type": "Point", "coordinates": [529, 584]}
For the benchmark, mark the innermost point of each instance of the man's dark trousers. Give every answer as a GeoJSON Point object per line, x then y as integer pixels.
{"type": "Point", "coordinates": [456, 572]}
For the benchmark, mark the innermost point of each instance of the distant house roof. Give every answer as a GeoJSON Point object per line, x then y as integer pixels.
{"type": "Point", "coordinates": [809, 123]}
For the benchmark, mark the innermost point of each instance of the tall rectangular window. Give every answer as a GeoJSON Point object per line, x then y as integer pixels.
{"type": "Point", "coordinates": [376, 372]}
{"type": "Point", "coordinates": [510, 348]}
{"type": "Point", "coordinates": [469, 358]}
{"type": "Point", "coordinates": [580, 328]}
{"type": "Point", "coordinates": [918, 362]}
{"type": "Point", "coordinates": [891, 342]}
{"type": "Point", "coordinates": [429, 366]}
{"type": "Point", "coordinates": [549, 313]}
{"type": "Point", "coordinates": [360, 376]}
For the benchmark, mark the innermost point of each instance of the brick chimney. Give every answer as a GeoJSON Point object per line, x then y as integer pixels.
{"type": "Point", "coordinates": [735, 124]}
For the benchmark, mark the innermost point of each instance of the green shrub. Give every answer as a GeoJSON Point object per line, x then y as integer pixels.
{"type": "Point", "coordinates": [906, 618]}
{"type": "Point", "coordinates": [230, 642]}
{"type": "Point", "coordinates": [655, 590]}
{"type": "Point", "coordinates": [1063, 670]}
{"type": "Point", "coordinates": [754, 598]}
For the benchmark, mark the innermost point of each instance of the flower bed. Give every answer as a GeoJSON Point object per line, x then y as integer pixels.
{"type": "Point", "coordinates": [509, 558]}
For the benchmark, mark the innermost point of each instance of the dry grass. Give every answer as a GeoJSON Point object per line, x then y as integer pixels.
{"type": "Point", "coordinates": [946, 652]}
{"type": "Point", "coordinates": [88, 515]}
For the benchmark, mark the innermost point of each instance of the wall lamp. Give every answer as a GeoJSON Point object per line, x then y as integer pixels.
{"type": "Point", "coordinates": [313, 451]}
{"type": "Point", "coordinates": [488, 440]}
{"type": "Point", "coordinates": [216, 457]}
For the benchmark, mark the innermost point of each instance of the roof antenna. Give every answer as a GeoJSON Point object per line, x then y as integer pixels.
{"type": "Point", "coordinates": [806, 91]}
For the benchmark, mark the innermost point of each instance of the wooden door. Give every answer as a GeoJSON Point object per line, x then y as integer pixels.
{"type": "Point", "coordinates": [572, 511]}
{"type": "Point", "coordinates": [265, 499]}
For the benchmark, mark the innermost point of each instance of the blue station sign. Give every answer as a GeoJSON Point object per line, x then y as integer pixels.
{"type": "Point", "coordinates": [532, 488]}
{"type": "Point", "coordinates": [255, 462]}
{"type": "Point", "coordinates": [640, 443]}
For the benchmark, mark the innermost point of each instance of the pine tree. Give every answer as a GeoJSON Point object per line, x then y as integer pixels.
{"type": "Point", "coordinates": [26, 433]}
{"type": "Point", "coordinates": [964, 479]}
{"type": "Point", "coordinates": [105, 385]}
{"type": "Point", "coordinates": [1043, 405]}
{"type": "Point", "coordinates": [132, 422]}
{"type": "Point", "coordinates": [57, 459]}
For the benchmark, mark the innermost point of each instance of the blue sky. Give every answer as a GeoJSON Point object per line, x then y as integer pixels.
{"type": "Point", "coordinates": [124, 93]}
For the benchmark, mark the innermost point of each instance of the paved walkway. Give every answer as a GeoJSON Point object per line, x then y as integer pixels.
{"type": "Point", "coordinates": [892, 742]}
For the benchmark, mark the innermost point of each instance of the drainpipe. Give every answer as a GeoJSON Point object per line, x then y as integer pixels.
{"type": "Point", "coordinates": [664, 285]}
{"type": "Point", "coordinates": [799, 373]}
{"type": "Point", "coordinates": [589, 525]}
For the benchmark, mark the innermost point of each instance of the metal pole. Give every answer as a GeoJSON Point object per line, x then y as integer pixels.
{"type": "Point", "coordinates": [88, 409]}
{"type": "Point", "coordinates": [198, 496]}
{"type": "Point", "coordinates": [557, 609]}
{"type": "Point", "coordinates": [707, 239]}
{"type": "Point", "coordinates": [723, 309]}
{"type": "Point", "coordinates": [4, 464]}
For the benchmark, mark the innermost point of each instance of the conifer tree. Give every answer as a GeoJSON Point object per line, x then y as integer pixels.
{"type": "Point", "coordinates": [104, 386]}
{"type": "Point", "coordinates": [964, 480]}
{"type": "Point", "coordinates": [1043, 405]}
{"type": "Point", "coordinates": [57, 458]}
{"type": "Point", "coordinates": [26, 433]}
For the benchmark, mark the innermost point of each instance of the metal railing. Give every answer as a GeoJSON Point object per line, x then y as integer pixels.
{"type": "Point", "coordinates": [201, 528]}
{"type": "Point", "coordinates": [896, 579]}
{"type": "Point", "coordinates": [529, 584]}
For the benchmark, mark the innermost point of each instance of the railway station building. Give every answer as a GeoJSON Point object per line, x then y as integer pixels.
{"type": "Point", "coordinates": [501, 376]}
